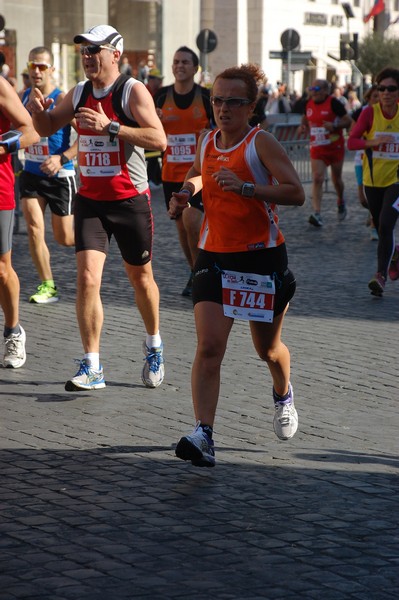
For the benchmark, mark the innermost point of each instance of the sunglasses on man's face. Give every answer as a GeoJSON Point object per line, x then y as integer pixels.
{"type": "Point", "coordinates": [388, 88]}
{"type": "Point", "coordinates": [36, 65]}
{"type": "Point", "coordinates": [93, 49]}
{"type": "Point", "coordinates": [230, 102]}
{"type": "Point", "coordinates": [315, 88]}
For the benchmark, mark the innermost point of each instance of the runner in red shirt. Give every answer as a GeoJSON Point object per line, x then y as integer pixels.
{"type": "Point", "coordinates": [324, 120]}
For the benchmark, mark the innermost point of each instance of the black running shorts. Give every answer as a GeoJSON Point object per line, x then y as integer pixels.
{"type": "Point", "coordinates": [129, 221]}
{"type": "Point", "coordinates": [207, 282]}
{"type": "Point", "coordinates": [58, 192]}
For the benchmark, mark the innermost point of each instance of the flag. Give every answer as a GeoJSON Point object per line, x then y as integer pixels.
{"type": "Point", "coordinates": [377, 8]}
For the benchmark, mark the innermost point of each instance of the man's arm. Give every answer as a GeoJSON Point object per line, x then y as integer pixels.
{"type": "Point", "coordinates": [16, 113]}
{"type": "Point", "coordinates": [150, 135]}
{"type": "Point", "coordinates": [47, 122]}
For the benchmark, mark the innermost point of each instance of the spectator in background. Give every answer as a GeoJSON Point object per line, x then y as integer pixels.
{"type": "Point", "coordinates": [154, 81]}
{"type": "Point", "coordinates": [353, 102]}
{"type": "Point", "coordinates": [25, 82]}
{"type": "Point", "coordinates": [125, 67]}
{"type": "Point", "coordinates": [258, 116]}
{"type": "Point", "coordinates": [278, 102]}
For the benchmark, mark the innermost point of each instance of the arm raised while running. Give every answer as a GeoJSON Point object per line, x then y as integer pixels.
{"type": "Point", "coordinates": [47, 122]}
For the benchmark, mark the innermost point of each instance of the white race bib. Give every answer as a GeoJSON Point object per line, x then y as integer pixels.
{"type": "Point", "coordinates": [38, 152]}
{"type": "Point", "coordinates": [248, 296]}
{"type": "Point", "coordinates": [98, 156]}
{"type": "Point", "coordinates": [181, 148]}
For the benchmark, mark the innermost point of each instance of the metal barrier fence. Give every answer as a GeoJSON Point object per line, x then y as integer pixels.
{"type": "Point", "coordinates": [297, 147]}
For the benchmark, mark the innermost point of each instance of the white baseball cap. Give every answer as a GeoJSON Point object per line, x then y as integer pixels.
{"type": "Point", "coordinates": [100, 35]}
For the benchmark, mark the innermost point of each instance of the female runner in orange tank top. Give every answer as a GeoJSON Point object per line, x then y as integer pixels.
{"type": "Point", "coordinates": [244, 173]}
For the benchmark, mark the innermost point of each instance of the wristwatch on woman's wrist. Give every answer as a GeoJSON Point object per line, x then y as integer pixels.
{"type": "Point", "coordinates": [248, 189]}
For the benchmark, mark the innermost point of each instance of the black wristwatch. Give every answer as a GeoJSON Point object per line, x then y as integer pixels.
{"type": "Point", "coordinates": [248, 190]}
{"type": "Point", "coordinates": [64, 159]}
{"type": "Point", "coordinates": [113, 130]}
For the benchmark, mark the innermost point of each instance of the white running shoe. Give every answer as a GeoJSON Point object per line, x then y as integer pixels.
{"type": "Point", "coordinates": [86, 378]}
{"type": "Point", "coordinates": [285, 422]}
{"type": "Point", "coordinates": [14, 350]}
{"type": "Point", "coordinates": [154, 370]}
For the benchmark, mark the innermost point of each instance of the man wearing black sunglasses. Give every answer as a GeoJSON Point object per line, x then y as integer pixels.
{"type": "Point", "coordinates": [324, 120]}
{"type": "Point", "coordinates": [113, 198]}
{"type": "Point", "coordinates": [47, 179]}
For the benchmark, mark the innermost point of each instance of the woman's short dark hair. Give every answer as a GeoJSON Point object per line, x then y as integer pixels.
{"type": "Point", "coordinates": [388, 72]}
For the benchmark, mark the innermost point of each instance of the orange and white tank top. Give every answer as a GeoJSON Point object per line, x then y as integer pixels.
{"type": "Point", "coordinates": [232, 222]}
{"type": "Point", "coordinates": [182, 128]}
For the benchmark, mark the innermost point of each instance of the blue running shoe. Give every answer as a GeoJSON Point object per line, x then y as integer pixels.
{"type": "Point", "coordinates": [197, 447]}
{"type": "Point", "coordinates": [86, 378]}
{"type": "Point", "coordinates": [154, 369]}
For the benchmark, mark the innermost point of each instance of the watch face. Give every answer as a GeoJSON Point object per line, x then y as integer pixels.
{"type": "Point", "coordinates": [248, 190]}
{"type": "Point", "coordinates": [114, 127]}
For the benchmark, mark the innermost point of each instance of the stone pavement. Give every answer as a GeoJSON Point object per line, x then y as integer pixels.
{"type": "Point", "coordinates": [94, 504]}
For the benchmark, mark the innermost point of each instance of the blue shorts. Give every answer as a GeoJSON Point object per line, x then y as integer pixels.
{"type": "Point", "coordinates": [359, 174]}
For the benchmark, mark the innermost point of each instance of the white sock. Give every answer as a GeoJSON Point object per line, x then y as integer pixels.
{"type": "Point", "coordinates": [153, 341]}
{"type": "Point", "coordinates": [94, 358]}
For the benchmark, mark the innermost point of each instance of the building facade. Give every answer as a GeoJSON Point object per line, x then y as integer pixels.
{"type": "Point", "coordinates": [245, 30]}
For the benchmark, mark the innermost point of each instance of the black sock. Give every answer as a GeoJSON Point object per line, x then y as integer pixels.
{"type": "Point", "coordinates": [207, 429]}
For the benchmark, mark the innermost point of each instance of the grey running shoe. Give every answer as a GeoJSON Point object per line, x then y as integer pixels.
{"type": "Point", "coordinates": [14, 350]}
{"type": "Point", "coordinates": [285, 422]}
{"type": "Point", "coordinates": [315, 219]}
{"type": "Point", "coordinates": [341, 211]}
{"type": "Point", "coordinates": [197, 447]}
{"type": "Point", "coordinates": [154, 370]}
{"type": "Point", "coordinates": [86, 378]}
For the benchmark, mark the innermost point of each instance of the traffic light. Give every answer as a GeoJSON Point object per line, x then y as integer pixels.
{"type": "Point", "coordinates": [354, 46]}
{"type": "Point", "coordinates": [348, 46]}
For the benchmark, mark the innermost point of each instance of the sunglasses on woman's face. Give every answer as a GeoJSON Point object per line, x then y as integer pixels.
{"type": "Point", "coordinates": [388, 88]}
{"type": "Point", "coordinates": [230, 102]}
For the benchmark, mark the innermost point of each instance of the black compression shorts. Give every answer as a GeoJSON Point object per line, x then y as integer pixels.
{"type": "Point", "coordinates": [129, 221]}
{"type": "Point", "coordinates": [207, 282]}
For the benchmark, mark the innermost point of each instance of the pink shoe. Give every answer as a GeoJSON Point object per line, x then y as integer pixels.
{"type": "Point", "coordinates": [377, 285]}
{"type": "Point", "coordinates": [393, 270]}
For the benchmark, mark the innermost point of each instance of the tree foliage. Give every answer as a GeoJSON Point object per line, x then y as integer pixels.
{"type": "Point", "coordinates": [377, 52]}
